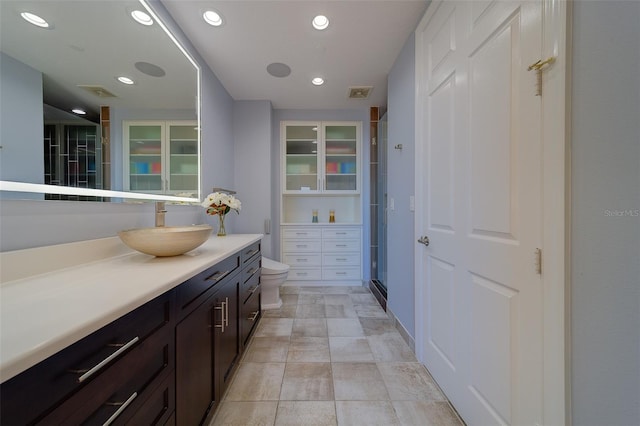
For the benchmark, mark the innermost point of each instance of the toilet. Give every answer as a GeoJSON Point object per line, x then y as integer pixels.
{"type": "Point", "coordinates": [272, 276]}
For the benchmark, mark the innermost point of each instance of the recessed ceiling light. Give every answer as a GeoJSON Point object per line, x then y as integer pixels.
{"type": "Point", "coordinates": [78, 111]}
{"type": "Point", "coordinates": [320, 22]}
{"type": "Point", "coordinates": [34, 19]}
{"type": "Point", "coordinates": [125, 80]}
{"type": "Point", "coordinates": [142, 17]}
{"type": "Point", "coordinates": [317, 81]}
{"type": "Point", "coordinates": [212, 18]}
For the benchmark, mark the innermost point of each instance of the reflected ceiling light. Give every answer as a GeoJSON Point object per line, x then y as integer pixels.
{"type": "Point", "coordinates": [79, 111]}
{"type": "Point", "coordinates": [320, 22]}
{"type": "Point", "coordinates": [212, 18]}
{"type": "Point", "coordinates": [34, 19]}
{"type": "Point", "coordinates": [317, 81]}
{"type": "Point", "coordinates": [141, 17]}
{"type": "Point", "coordinates": [125, 80]}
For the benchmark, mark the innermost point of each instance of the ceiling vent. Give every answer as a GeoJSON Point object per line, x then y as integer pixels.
{"type": "Point", "coordinates": [360, 92]}
{"type": "Point", "coordinates": [99, 91]}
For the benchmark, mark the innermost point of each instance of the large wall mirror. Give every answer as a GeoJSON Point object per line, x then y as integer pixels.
{"type": "Point", "coordinates": [138, 87]}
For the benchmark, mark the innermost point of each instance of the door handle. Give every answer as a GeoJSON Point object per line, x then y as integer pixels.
{"type": "Point", "coordinates": [424, 240]}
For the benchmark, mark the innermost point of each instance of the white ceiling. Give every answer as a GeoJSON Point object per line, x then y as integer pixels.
{"type": "Point", "coordinates": [358, 49]}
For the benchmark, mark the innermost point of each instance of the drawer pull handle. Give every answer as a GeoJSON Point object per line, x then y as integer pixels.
{"type": "Point", "coordinates": [226, 312]}
{"type": "Point", "coordinates": [218, 276]}
{"type": "Point", "coordinates": [341, 259]}
{"type": "Point", "coordinates": [341, 273]}
{"type": "Point", "coordinates": [252, 271]}
{"type": "Point", "coordinates": [341, 245]}
{"type": "Point", "coordinates": [254, 315]}
{"type": "Point", "coordinates": [301, 245]}
{"type": "Point", "coordinates": [123, 406]}
{"type": "Point", "coordinates": [301, 233]}
{"type": "Point", "coordinates": [341, 233]}
{"type": "Point", "coordinates": [301, 274]}
{"type": "Point", "coordinates": [221, 308]}
{"type": "Point", "coordinates": [107, 360]}
{"type": "Point", "coordinates": [253, 289]}
{"type": "Point", "coordinates": [301, 260]}
{"type": "Point", "coordinates": [252, 252]}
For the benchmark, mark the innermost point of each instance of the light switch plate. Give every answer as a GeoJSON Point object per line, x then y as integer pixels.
{"type": "Point", "coordinates": [412, 203]}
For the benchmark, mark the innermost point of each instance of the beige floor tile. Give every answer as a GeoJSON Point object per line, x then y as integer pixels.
{"type": "Point", "coordinates": [309, 349]}
{"type": "Point", "coordinates": [377, 326]}
{"type": "Point", "coordinates": [310, 299]}
{"type": "Point", "coordinates": [409, 381]}
{"type": "Point", "coordinates": [286, 311]}
{"type": "Point", "coordinates": [344, 327]}
{"type": "Point", "coordinates": [370, 311]}
{"type": "Point", "coordinates": [306, 413]}
{"type": "Point", "coordinates": [274, 327]}
{"type": "Point", "coordinates": [390, 348]}
{"type": "Point", "coordinates": [338, 299]}
{"type": "Point", "coordinates": [307, 381]}
{"type": "Point", "coordinates": [289, 289]}
{"type": "Point", "coordinates": [256, 381]}
{"type": "Point", "coordinates": [369, 413]}
{"type": "Point", "coordinates": [254, 413]}
{"type": "Point", "coordinates": [312, 289]}
{"type": "Point", "coordinates": [340, 311]}
{"type": "Point", "coordinates": [359, 289]}
{"type": "Point", "coordinates": [309, 327]}
{"type": "Point", "coordinates": [426, 413]}
{"type": "Point", "coordinates": [358, 382]}
{"type": "Point", "coordinates": [350, 349]}
{"type": "Point", "coordinates": [267, 349]}
{"type": "Point", "coordinates": [310, 311]}
{"type": "Point", "coordinates": [363, 299]}
{"type": "Point", "coordinates": [288, 299]}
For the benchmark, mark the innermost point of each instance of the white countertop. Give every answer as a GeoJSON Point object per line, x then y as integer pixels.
{"type": "Point", "coordinates": [43, 314]}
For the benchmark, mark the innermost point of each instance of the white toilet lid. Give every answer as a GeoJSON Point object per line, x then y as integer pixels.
{"type": "Point", "coordinates": [270, 266]}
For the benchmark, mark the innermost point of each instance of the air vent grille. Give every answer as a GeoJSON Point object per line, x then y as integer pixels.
{"type": "Point", "coordinates": [99, 91]}
{"type": "Point", "coordinates": [360, 92]}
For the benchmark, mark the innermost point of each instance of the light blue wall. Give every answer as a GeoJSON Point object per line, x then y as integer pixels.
{"type": "Point", "coordinates": [400, 186]}
{"type": "Point", "coordinates": [253, 161]}
{"type": "Point", "coordinates": [323, 115]}
{"type": "Point", "coordinates": [605, 179]}
{"type": "Point", "coordinates": [21, 122]}
{"type": "Point", "coordinates": [25, 224]}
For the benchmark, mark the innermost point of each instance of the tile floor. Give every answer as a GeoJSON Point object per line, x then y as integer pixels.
{"type": "Point", "coordinates": [331, 356]}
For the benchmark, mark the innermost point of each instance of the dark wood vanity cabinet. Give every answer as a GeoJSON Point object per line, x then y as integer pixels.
{"type": "Point", "coordinates": [167, 362]}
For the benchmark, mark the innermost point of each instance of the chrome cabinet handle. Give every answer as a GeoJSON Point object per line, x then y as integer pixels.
{"type": "Point", "coordinates": [424, 240]}
{"type": "Point", "coordinates": [253, 289]}
{"type": "Point", "coordinates": [252, 271]}
{"type": "Point", "coordinates": [221, 308]}
{"type": "Point", "coordinates": [226, 312]}
{"type": "Point", "coordinates": [218, 276]}
{"type": "Point", "coordinates": [252, 252]}
{"type": "Point", "coordinates": [99, 366]}
{"type": "Point", "coordinates": [123, 406]}
{"type": "Point", "coordinates": [253, 316]}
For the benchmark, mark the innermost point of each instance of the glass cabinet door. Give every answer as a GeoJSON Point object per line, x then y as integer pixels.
{"type": "Point", "coordinates": [145, 157]}
{"type": "Point", "coordinates": [183, 158]}
{"type": "Point", "coordinates": [301, 158]}
{"type": "Point", "coordinates": [340, 161]}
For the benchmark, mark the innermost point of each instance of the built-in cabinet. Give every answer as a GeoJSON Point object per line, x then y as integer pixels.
{"type": "Point", "coordinates": [161, 157]}
{"type": "Point", "coordinates": [167, 362]}
{"type": "Point", "coordinates": [321, 203]}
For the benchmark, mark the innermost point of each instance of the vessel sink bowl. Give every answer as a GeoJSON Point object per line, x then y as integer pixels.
{"type": "Point", "coordinates": [163, 241]}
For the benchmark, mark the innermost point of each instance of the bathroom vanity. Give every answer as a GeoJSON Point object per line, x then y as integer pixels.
{"type": "Point", "coordinates": [128, 338]}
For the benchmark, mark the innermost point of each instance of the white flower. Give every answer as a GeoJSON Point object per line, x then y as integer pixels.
{"type": "Point", "coordinates": [218, 202]}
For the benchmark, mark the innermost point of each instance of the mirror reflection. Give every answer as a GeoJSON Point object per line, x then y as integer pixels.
{"type": "Point", "coordinates": [138, 90]}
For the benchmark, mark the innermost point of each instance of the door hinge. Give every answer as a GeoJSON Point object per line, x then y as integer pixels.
{"type": "Point", "coordinates": [538, 67]}
{"type": "Point", "coordinates": [538, 261]}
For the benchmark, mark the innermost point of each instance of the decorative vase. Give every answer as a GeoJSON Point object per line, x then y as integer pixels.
{"type": "Point", "coordinates": [221, 231]}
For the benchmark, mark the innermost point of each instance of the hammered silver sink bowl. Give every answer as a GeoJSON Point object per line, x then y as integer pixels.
{"type": "Point", "coordinates": [164, 241]}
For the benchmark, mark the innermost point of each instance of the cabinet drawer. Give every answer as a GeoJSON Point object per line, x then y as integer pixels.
{"type": "Point", "coordinates": [346, 259]}
{"type": "Point", "coordinates": [304, 274]}
{"type": "Point", "coordinates": [333, 274]}
{"type": "Point", "coordinates": [301, 260]}
{"type": "Point", "coordinates": [251, 269]}
{"type": "Point", "coordinates": [301, 246]}
{"type": "Point", "coordinates": [249, 287]}
{"type": "Point", "coordinates": [353, 233]}
{"type": "Point", "coordinates": [189, 291]}
{"type": "Point", "coordinates": [126, 384]}
{"type": "Point", "coordinates": [249, 254]}
{"type": "Point", "coordinates": [340, 245]}
{"type": "Point", "coordinates": [298, 233]}
{"type": "Point", "coordinates": [34, 391]}
{"type": "Point", "coordinates": [159, 407]}
{"type": "Point", "coordinates": [249, 316]}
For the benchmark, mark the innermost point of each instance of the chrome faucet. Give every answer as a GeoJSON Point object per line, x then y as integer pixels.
{"type": "Point", "coordinates": [160, 211]}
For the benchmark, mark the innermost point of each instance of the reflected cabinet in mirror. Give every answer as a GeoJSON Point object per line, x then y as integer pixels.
{"type": "Point", "coordinates": [137, 86]}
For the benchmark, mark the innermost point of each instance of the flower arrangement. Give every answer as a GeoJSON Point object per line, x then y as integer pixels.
{"type": "Point", "coordinates": [220, 203]}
